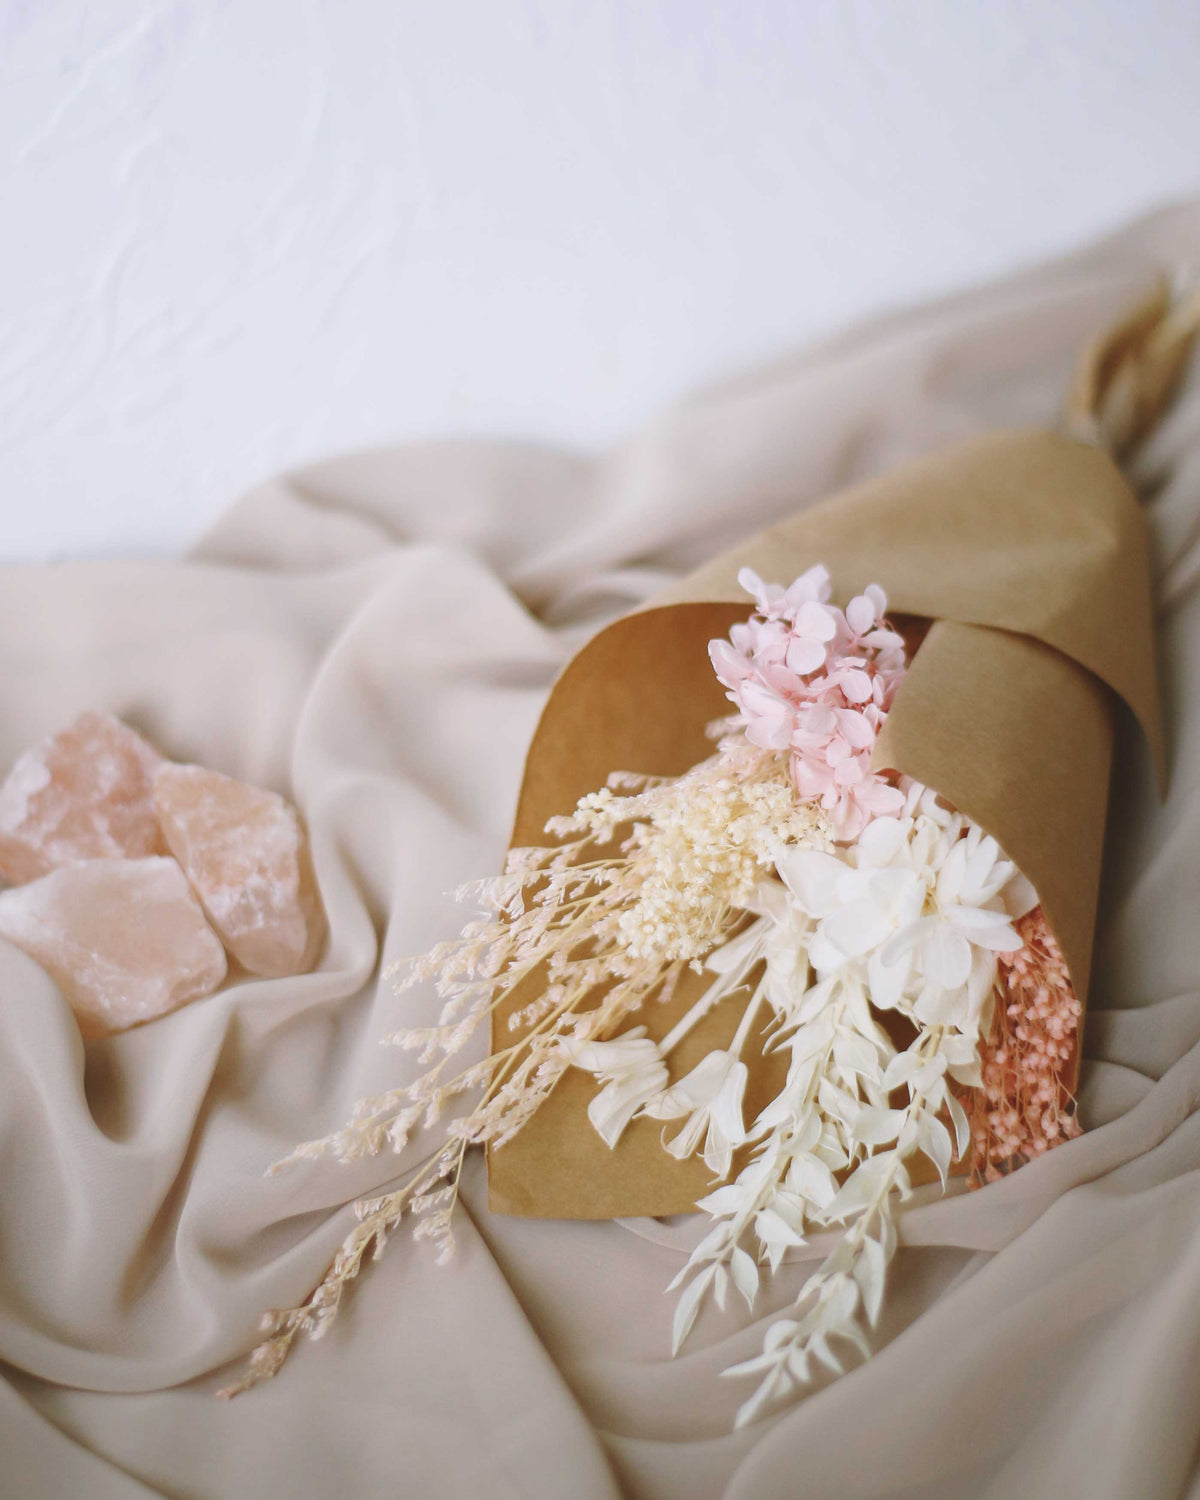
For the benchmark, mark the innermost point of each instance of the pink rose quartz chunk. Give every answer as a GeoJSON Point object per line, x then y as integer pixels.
{"type": "Point", "coordinates": [125, 940]}
{"type": "Point", "coordinates": [246, 854]}
{"type": "Point", "coordinates": [85, 793]}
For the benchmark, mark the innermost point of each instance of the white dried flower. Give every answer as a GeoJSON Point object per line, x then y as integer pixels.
{"type": "Point", "coordinates": [710, 1097]}
{"type": "Point", "coordinates": [631, 1070]}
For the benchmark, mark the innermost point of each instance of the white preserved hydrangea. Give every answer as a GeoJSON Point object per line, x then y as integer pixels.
{"type": "Point", "coordinates": [926, 899]}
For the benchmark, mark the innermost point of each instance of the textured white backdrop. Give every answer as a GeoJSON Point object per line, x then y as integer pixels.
{"type": "Point", "coordinates": [234, 236]}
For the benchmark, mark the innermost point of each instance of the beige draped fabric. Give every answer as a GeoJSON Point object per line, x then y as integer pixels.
{"type": "Point", "coordinates": [375, 635]}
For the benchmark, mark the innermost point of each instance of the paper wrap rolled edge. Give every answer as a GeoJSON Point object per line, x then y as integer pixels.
{"type": "Point", "coordinates": [1029, 553]}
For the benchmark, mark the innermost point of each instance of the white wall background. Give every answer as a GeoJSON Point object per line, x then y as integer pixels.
{"type": "Point", "coordinates": [237, 234]}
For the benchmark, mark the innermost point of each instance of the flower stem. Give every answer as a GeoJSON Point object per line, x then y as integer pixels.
{"type": "Point", "coordinates": [724, 985]}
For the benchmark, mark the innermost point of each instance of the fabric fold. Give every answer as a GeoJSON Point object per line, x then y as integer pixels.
{"type": "Point", "coordinates": [382, 653]}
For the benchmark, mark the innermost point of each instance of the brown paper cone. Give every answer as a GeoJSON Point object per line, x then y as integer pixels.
{"type": "Point", "coordinates": [1028, 552]}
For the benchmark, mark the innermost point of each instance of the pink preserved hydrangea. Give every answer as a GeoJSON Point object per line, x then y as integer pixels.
{"type": "Point", "coordinates": [817, 681]}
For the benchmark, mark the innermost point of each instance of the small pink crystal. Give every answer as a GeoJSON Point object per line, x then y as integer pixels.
{"type": "Point", "coordinates": [85, 793]}
{"type": "Point", "coordinates": [245, 852]}
{"type": "Point", "coordinates": [125, 940]}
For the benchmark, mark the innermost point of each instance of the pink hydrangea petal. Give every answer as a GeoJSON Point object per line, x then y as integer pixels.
{"type": "Point", "coordinates": [742, 637]}
{"type": "Point", "coordinates": [765, 594]}
{"type": "Point", "coordinates": [811, 779]}
{"type": "Point", "coordinates": [849, 820]}
{"type": "Point", "coordinates": [770, 719]}
{"type": "Point", "coordinates": [804, 656]}
{"type": "Point", "coordinates": [860, 614]}
{"type": "Point", "coordinates": [730, 666]}
{"type": "Point", "coordinates": [766, 735]}
{"type": "Point", "coordinates": [856, 685]}
{"type": "Point", "coordinates": [817, 720]}
{"type": "Point", "coordinates": [880, 799]}
{"type": "Point", "coordinates": [855, 729]}
{"type": "Point", "coordinates": [766, 641]}
{"type": "Point", "coordinates": [813, 584]}
{"type": "Point", "coordinates": [759, 699]}
{"type": "Point", "coordinates": [816, 621]}
{"type": "Point", "coordinates": [849, 772]}
{"type": "Point", "coordinates": [777, 683]}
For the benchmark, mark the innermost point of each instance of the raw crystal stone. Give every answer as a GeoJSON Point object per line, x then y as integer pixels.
{"type": "Point", "coordinates": [85, 793]}
{"type": "Point", "coordinates": [125, 939]}
{"type": "Point", "coordinates": [245, 852]}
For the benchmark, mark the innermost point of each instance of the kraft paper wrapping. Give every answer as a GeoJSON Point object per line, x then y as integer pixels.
{"type": "Point", "coordinates": [1028, 553]}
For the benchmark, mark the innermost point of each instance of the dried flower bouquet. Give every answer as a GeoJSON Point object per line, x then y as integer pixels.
{"type": "Point", "coordinates": [878, 940]}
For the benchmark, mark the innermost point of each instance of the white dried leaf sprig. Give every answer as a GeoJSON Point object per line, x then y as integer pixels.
{"type": "Point", "coordinates": [429, 1195]}
{"type": "Point", "coordinates": [607, 930]}
{"type": "Point", "coordinates": [909, 918]}
{"type": "Point", "coordinates": [847, 1289]}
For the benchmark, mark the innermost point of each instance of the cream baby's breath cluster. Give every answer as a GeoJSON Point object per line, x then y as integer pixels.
{"type": "Point", "coordinates": [697, 846]}
{"type": "Point", "coordinates": [819, 894]}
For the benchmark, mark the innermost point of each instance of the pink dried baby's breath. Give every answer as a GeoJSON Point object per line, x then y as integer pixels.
{"type": "Point", "coordinates": [1024, 1105]}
